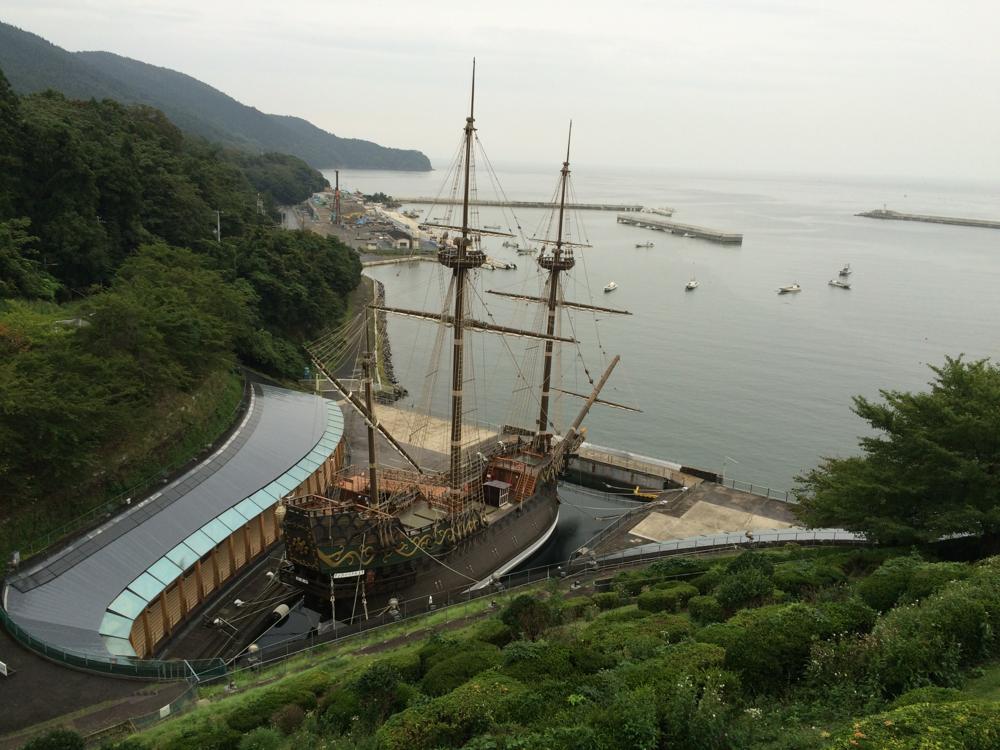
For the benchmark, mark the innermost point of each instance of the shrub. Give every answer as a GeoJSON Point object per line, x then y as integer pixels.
{"type": "Point", "coordinates": [667, 599]}
{"type": "Point", "coordinates": [628, 613]}
{"type": "Point", "coordinates": [802, 576]}
{"type": "Point", "coordinates": [288, 718]}
{"type": "Point", "coordinates": [705, 609]}
{"type": "Point", "coordinates": [339, 709]}
{"type": "Point", "coordinates": [262, 738]}
{"type": "Point", "coordinates": [208, 733]}
{"type": "Point", "coordinates": [448, 674]}
{"type": "Point", "coordinates": [969, 725]}
{"type": "Point", "coordinates": [57, 739]}
{"type": "Point", "coordinates": [406, 664]}
{"type": "Point", "coordinates": [632, 582]}
{"type": "Point", "coordinates": [886, 586]}
{"type": "Point", "coordinates": [608, 600]}
{"type": "Point", "coordinates": [628, 721]}
{"type": "Point", "coordinates": [575, 607]}
{"type": "Point", "coordinates": [258, 706]}
{"type": "Point", "coordinates": [927, 695]}
{"type": "Point", "coordinates": [451, 720]}
{"type": "Point", "coordinates": [928, 578]}
{"type": "Point", "coordinates": [533, 661]}
{"type": "Point", "coordinates": [529, 616]}
{"type": "Point", "coordinates": [492, 631]}
{"type": "Point", "coordinates": [707, 581]}
{"type": "Point", "coordinates": [720, 633]}
{"type": "Point", "coordinates": [773, 648]}
{"type": "Point", "coordinates": [743, 588]}
{"type": "Point", "coordinates": [674, 628]}
{"type": "Point", "coordinates": [437, 647]}
{"type": "Point", "coordinates": [751, 560]}
{"type": "Point", "coordinates": [677, 566]}
{"type": "Point", "coordinates": [379, 693]}
{"type": "Point", "coordinates": [849, 616]}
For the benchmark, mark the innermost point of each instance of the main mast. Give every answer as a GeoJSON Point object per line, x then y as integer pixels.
{"type": "Point", "coordinates": [460, 259]}
{"type": "Point", "coordinates": [554, 263]}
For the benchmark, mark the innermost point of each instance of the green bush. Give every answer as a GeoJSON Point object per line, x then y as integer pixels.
{"type": "Point", "coordinates": [705, 609]}
{"type": "Point", "coordinates": [529, 616]}
{"type": "Point", "coordinates": [751, 560]}
{"type": "Point", "coordinates": [492, 631]}
{"type": "Point", "coordinates": [886, 586]}
{"type": "Point", "coordinates": [677, 566]}
{"type": "Point", "coordinates": [743, 588]}
{"type": "Point", "coordinates": [929, 578]}
{"type": "Point", "coordinates": [484, 702]}
{"type": "Point", "coordinates": [707, 581]}
{"type": "Point", "coordinates": [209, 733]}
{"type": "Point", "coordinates": [262, 738]}
{"type": "Point", "coordinates": [448, 674]}
{"type": "Point", "coordinates": [339, 710]}
{"type": "Point", "coordinates": [849, 616]}
{"type": "Point", "coordinates": [254, 710]}
{"type": "Point", "coordinates": [670, 599]}
{"type": "Point", "coordinates": [288, 719]}
{"type": "Point", "coordinates": [628, 721]}
{"type": "Point", "coordinates": [534, 661]}
{"type": "Point", "coordinates": [437, 647]}
{"type": "Point", "coordinates": [57, 739]}
{"type": "Point", "coordinates": [608, 600]}
{"type": "Point", "coordinates": [406, 664]}
{"type": "Point", "coordinates": [799, 577]}
{"type": "Point", "coordinates": [773, 648]}
{"type": "Point", "coordinates": [674, 628]}
{"type": "Point", "coordinates": [719, 633]}
{"type": "Point", "coordinates": [927, 695]}
{"type": "Point", "coordinates": [576, 607]}
{"type": "Point", "coordinates": [964, 725]}
{"type": "Point", "coordinates": [626, 613]}
{"type": "Point", "coordinates": [632, 582]}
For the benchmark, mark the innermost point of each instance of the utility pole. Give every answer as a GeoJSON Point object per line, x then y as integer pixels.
{"type": "Point", "coordinates": [336, 198]}
{"type": "Point", "coordinates": [218, 227]}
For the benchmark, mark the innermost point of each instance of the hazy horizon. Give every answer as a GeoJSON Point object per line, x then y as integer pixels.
{"type": "Point", "coordinates": [888, 90]}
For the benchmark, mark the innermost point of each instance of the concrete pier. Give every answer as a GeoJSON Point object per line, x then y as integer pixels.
{"type": "Point", "coordinates": [882, 213]}
{"type": "Point", "coordinates": [626, 207]}
{"type": "Point", "coordinates": [649, 221]}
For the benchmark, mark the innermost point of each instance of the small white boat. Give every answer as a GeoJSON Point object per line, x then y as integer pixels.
{"type": "Point", "coordinates": [693, 284]}
{"type": "Point", "coordinates": [491, 226]}
{"type": "Point", "coordinates": [644, 244]}
{"type": "Point", "coordinates": [840, 284]}
{"type": "Point", "coordinates": [610, 287]}
{"type": "Point", "coordinates": [526, 250]}
{"type": "Point", "coordinates": [790, 289]}
{"type": "Point", "coordinates": [688, 234]}
{"type": "Point", "coordinates": [846, 270]}
{"type": "Point", "coordinates": [508, 243]}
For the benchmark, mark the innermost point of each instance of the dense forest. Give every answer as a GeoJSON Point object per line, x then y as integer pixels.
{"type": "Point", "coordinates": [33, 65]}
{"type": "Point", "coordinates": [120, 310]}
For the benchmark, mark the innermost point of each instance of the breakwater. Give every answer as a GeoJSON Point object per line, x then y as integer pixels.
{"type": "Point", "coordinates": [626, 207]}
{"type": "Point", "coordinates": [648, 221]}
{"type": "Point", "coordinates": [884, 213]}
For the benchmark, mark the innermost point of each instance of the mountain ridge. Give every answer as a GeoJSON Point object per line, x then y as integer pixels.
{"type": "Point", "coordinates": [32, 63]}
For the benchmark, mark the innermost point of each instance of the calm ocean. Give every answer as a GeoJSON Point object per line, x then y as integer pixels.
{"type": "Point", "coordinates": [730, 375]}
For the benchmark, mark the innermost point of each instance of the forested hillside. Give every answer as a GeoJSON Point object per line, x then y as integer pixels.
{"type": "Point", "coordinates": [121, 313]}
{"type": "Point", "coordinates": [32, 65]}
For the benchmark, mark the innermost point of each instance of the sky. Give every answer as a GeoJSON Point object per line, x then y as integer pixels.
{"type": "Point", "coordinates": [847, 87]}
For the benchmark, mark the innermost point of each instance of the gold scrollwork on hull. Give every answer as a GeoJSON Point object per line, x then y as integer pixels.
{"type": "Point", "coordinates": [343, 558]}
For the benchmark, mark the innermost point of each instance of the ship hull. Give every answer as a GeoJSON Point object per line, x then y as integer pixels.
{"type": "Point", "coordinates": [429, 580]}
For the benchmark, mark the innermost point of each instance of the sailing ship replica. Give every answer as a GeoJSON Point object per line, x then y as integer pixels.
{"type": "Point", "coordinates": [379, 536]}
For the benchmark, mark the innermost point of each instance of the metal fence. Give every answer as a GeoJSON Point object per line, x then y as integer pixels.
{"type": "Point", "coordinates": [760, 489]}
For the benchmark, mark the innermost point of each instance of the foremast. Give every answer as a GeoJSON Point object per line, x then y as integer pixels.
{"type": "Point", "coordinates": [460, 259]}
{"type": "Point", "coordinates": [554, 263]}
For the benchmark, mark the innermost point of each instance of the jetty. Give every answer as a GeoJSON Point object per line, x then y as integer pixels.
{"type": "Point", "coordinates": [399, 259]}
{"type": "Point", "coordinates": [647, 220]}
{"type": "Point", "coordinates": [884, 213]}
{"type": "Point", "coordinates": [624, 207]}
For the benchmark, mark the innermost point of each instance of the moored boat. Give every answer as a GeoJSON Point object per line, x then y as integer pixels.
{"type": "Point", "coordinates": [790, 289]}
{"type": "Point", "coordinates": [846, 270]}
{"type": "Point", "coordinates": [610, 286]}
{"type": "Point", "coordinates": [840, 284]}
{"type": "Point", "coordinates": [691, 285]}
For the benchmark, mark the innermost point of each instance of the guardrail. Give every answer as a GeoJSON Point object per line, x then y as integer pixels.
{"type": "Point", "coordinates": [759, 489]}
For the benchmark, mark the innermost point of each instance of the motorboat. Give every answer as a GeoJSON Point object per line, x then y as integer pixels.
{"type": "Point", "coordinates": [508, 243]}
{"type": "Point", "coordinates": [846, 270]}
{"type": "Point", "coordinates": [526, 250]}
{"type": "Point", "coordinates": [840, 284]}
{"type": "Point", "coordinates": [693, 284]}
{"type": "Point", "coordinates": [688, 234]}
{"type": "Point", "coordinates": [644, 244]}
{"type": "Point", "coordinates": [610, 287]}
{"type": "Point", "coordinates": [491, 226]}
{"type": "Point", "coordinates": [790, 289]}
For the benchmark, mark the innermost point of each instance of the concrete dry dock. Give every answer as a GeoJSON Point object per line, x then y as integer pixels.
{"type": "Point", "coordinates": [882, 213]}
{"type": "Point", "coordinates": [526, 204]}
{"type": "Point", "coordinates": [650, 221]}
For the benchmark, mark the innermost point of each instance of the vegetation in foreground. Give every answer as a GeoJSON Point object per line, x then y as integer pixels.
{"type": "Point", "coordinates": [790, 648]}
{"type": "Point", "coordinates": [122, 315]}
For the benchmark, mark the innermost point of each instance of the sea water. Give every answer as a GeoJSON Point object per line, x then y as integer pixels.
{"type": "Point", "coordinates": [731, 376]}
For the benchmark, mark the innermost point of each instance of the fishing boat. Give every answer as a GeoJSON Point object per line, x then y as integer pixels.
{"type": "Point", "coordinates": [688, 234]}
{"type": "Point", "coordinates": [508, 243]}
{"type": "Point", "coordinates": [691, 285]}
{"type": "Point", "coordinates": [846, 270]}
{"type": "Point", "coordinates": [644, 244]}
{"type": "Point", "coordinates": [376, 539]}
{"type": "Point", "coordinates": [491, 226]}
{"type": "Point", "coordinates": [790, 289]}
{"type": "Point", "coordinates": [526, 250]}
{"type": "Point", "coordinates": [610, 286]}
{"type": "Point", "coordinates": [840, 284]}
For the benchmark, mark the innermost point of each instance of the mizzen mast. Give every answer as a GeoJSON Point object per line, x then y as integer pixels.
{"type": "Point", "coordinates": [555, 262]}
{"type": "Point", "coordinates": [460, 258]}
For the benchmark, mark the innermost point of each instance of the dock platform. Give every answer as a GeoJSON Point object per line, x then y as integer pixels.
{"type": "Point", "coordinates": [883, 213]}
{"type": "Point", "coordinates": [649, 220]}
{"type": "Point", "coordinates": [625, 207]}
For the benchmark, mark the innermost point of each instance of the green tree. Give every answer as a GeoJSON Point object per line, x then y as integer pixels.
{"type": "Point", "coordinates": [21, 274]}
{"type": "Point", "coordinates": [933, 469]}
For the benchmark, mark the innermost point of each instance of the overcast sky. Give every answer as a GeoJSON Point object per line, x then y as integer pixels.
{"type": "Point", "coordinates": [858, 87]}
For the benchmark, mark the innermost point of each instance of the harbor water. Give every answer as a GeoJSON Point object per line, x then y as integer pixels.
{"type": "Point", "coordinates": [731, 376]}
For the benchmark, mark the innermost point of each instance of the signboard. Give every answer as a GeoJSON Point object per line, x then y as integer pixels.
{"type": "Point", "coordinates": [3, 669]}
{"type": "Point", "coordinates": [349, 574]}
